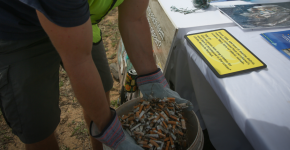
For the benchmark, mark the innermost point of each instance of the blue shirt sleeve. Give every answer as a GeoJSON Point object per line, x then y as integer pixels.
{"type": "Point", "coordinates": [65, 13]}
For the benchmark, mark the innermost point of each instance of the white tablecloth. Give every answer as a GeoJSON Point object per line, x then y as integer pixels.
{"type": "Point", "coordinates": [254, 105]}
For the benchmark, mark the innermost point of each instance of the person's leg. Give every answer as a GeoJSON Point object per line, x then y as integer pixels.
{"type": "Point", "coordinates": [29, 90]}
{"type": "Point", "coordinates": [47, 144]}
{"type": "Point", "coordinates": [101, 62]}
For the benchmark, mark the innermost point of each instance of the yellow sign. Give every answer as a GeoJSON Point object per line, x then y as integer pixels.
{"type": "Point", "coordinates": [224, 53]}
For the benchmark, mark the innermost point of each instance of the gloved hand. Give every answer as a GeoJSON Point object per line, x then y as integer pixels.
{"type": "Point", "coordinates": [154, 85]}
{"type": "Point", "coordinates": [114, 136]}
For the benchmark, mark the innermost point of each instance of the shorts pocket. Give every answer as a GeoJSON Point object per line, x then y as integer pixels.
{"type": "Point", "coordinates": [7, 103]}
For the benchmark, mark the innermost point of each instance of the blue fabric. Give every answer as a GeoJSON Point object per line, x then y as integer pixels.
{"type": "Point", "coordinates": [18, 19]}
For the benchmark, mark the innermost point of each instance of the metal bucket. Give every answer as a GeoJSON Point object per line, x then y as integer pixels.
{"type": "Point", "coordinates": [194, 132]}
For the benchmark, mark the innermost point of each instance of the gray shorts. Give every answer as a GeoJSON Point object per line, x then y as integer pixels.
{"type": "Point", "coordinates": [29, 86]}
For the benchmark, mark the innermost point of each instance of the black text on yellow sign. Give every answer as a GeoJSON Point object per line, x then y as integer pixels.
{"type": "Point", "coordinates": [224, 54]}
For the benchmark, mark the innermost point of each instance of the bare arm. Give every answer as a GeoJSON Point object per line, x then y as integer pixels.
{"type": "Point", "coordinates": [135, 33]}
{"type": "Point", "coordinates": [74, 45]}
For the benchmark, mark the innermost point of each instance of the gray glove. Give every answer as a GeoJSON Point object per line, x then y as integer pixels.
{"type": "Point", "coordinates": [128, 143]}
{"type": "Point", "coordinates": [114, 136]}
{"type": "Point", "coordinates": [157, 90]}
{"type": "Point", "coordinates": [154, 85]}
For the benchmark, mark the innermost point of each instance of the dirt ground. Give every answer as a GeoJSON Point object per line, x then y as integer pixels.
{"type": "Point", "coordinates": [71, 132]}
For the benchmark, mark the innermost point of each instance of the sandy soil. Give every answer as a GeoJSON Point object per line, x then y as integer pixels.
{"type": "Point", "coordinates": [71, 132]}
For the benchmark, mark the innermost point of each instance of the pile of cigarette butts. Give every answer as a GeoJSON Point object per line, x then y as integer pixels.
{"type": "Point", "coordinates": [157, 124]}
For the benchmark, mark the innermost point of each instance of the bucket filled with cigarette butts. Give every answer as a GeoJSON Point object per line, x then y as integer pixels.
{"type": "Point", "coordinates": [160, 124]}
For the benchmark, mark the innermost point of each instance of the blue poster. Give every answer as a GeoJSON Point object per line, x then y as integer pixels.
{"type": "Point", "coordinates": [280, 40]}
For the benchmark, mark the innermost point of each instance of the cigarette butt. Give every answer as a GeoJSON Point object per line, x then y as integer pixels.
{"type": "Point", "coordinates": [150, 145]}
{"type": "Point", "coordinates": [171, 99]}
{"type": "Point", "coordinates": [179, 132]}
{"type": "Point", "coordinates": [148, 106]}
{"type": "Point", "coordinates": [171, 141]}
{"type": "Point", "coordinates": [153, 129]}
{"type": "Point", "coordinates": [142, 100]}
{"type": "Point", "coordinates": [160, 131]}
{"type": "Point", "coordinates": [137, 114]}
{"type": "Point", "coordinates": [157, 118]}
{"type": "Point", "coordinates": [162, 116]}
{"type": "Point", "coordinates": [167, 145]}
{"type": "Point", "coordinates": [154, 143]}
{"type": "Point", "coordinates": [146, 146]}
{"type": "Point", "coordinates": [173, 122]}
{"type": "Point", "coordinates": [160, 134]}
{"type": "Point", "coordinates": [166, 113]}
{"type": "Point", "coordinates": [131, 118]}
{"type": "Point", "coordinates": [141, 107]}
{"type": "Point", "coordinates": [173, 136]}
{"type": "Point", "coordinates": [174, 126]}
{"type": "Point", "coordinates": [126, 125]}
{"type": "Point", "coordinates": [165, 124]}
{"type": "Point", "coordinates": [151, 118]}
{"type": "Point", "coordinates": [139, 133]}
{"type": "Point", "coordinates": [183, 124]}
{"type": "Point", "coordinates": [151, 132]}
{"type": "Point", "coordinates": [125, 117]}
{"type": "Point", "coordinates": [160, 106]}
{"type": "Point", "coordinates": [173, 117]}
{"type": "Point", "coordinates": [136, 106]}
{"type": "Point", "coordinates": [170, 107]}
{"type": "Point", "coordinates": [166, 139]}
{"type": "Point", "coordinates": [152, 138]}
{"type": "Point", "coordinates": [143, 142]}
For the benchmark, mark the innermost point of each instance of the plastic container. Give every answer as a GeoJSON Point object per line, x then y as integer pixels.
{"type": "Point", "coordinates": [194, 134]}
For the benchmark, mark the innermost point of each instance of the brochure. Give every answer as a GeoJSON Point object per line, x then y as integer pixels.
{"type": "Point", "coordinates": [255, 16]}
{"type": "Point", "coordinates": [280, 40]}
